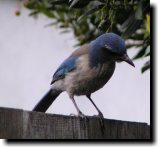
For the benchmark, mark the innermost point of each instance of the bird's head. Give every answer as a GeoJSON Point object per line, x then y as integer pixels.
{"type": "Point", "coordinates": [113, 45]}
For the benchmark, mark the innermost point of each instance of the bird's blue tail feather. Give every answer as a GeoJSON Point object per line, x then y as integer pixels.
{"type": "Point", "coordinates": [46, 101]}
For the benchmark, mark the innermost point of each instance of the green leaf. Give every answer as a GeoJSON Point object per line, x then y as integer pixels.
{"type": "Point", "coordinates": [102, 22]}
{"type": "Point", "coordinates": [147, 26]}
{"type": "Point", "coordinates": [130, 26]}
{"type": "Point", "coordinates": [139, 12]}
{"type": "Point", "coordinates": [73, 3]}
{"type": "Point", "coordinates": [148, 23]}
{"type": "Point", "coordinates": [90, 11]}
{"type": "Point", "coordinates": [140, 53]}
{"type": "Point", "coordinates": [147, 53]}
{"type": "Point", "coordinates": [125, 3]}
{"type": "Point", "coordinates": [51, 24]}
{"type": "Point", "coordinates": [146, 66]}
{"type": "Point", "coordinates": [34, 13]}
{"type": "Point", "coordinates": [65, 31]}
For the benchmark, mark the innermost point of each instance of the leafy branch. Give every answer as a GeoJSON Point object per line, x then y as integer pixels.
{"type": "Point", "coordinates": [91, 18]}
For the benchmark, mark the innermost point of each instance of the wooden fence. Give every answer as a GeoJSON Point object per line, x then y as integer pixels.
{"type": "Point", "coordinates": [20, 124]}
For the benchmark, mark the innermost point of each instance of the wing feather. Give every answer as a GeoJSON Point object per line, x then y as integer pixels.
{"type": "Point", "coordinates": [70, 63]}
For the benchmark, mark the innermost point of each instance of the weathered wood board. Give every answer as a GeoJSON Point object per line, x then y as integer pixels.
{"type": "Point", "coordinates": [20, 124]}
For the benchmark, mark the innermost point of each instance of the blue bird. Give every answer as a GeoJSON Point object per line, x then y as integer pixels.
{"type": "Point", "coordinates": [86, 70]}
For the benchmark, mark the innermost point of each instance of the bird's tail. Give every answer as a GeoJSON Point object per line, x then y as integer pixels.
{"type": "Point", "coordinates": [46, 101]}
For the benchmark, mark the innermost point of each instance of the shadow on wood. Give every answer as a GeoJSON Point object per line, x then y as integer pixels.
{"type": "Point", "coordinates": [19, 124]}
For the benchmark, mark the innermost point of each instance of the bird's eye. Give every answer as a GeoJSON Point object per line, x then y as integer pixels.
{"type": "Point", "coordinates": [113, 53]}
{"type": "Point", "coordinates": [116, 55]}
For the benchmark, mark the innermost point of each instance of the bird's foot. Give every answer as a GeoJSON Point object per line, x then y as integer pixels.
{"type": "Point", "coordinates": [72, 114]}
{"type": "Point", "coordinates": [81, 115]}
{"type": "Point", "coordinates": [101, 119]}
{"type": "Point", "coordinates": [84, 119]}
{"type": "Point", "coordinates": [100, 115]}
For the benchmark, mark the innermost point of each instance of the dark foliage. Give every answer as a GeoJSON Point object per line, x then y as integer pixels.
{"type": "Point", "coordinates": [90, 18]}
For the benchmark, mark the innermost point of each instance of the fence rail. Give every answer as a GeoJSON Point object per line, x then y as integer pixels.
{"type": "Point", "coordinates": [20, 124]}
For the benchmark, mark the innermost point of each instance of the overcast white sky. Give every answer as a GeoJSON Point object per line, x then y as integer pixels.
{"type": "Point", "coordinates": [29, 55]}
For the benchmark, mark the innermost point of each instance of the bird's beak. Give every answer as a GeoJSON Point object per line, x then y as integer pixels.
{"type": "Point", "coordinates": [126, 58]}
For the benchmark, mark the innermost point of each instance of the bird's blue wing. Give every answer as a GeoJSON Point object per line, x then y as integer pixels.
{"type": "Point", "coordinates": [68, 65]}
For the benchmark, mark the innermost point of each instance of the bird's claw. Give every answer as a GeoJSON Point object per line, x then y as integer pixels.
{"type": "Point", "coordinates": [84, 118]}
{"type": "Point", "coordinates": [72, 114]}
{"type": "Point", "coordinates": [101, 119]}
{"type": "Point", "coordinates": [81, 115]}
{"type": "Point", "coordinates": [100, 115]}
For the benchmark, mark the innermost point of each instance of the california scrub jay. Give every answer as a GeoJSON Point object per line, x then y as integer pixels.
{"type": "Point", "coordinates": [86, 70]}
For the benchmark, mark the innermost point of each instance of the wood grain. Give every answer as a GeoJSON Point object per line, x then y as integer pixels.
{"type": "Point", "coordinates": [20, 124]}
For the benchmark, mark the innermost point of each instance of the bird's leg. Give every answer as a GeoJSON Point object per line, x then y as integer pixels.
{"type": "Point", "coordinates": [100, 115]}
{"type": "Point", "coordinates": [80, 114]}
{"type": "Point", "coordinates": [99, 112]}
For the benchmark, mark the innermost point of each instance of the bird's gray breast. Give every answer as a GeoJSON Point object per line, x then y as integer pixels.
{"type": "Point", "coordinates": [103, 74]}
{"type": "Point", "coordinates": [86, 80]}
